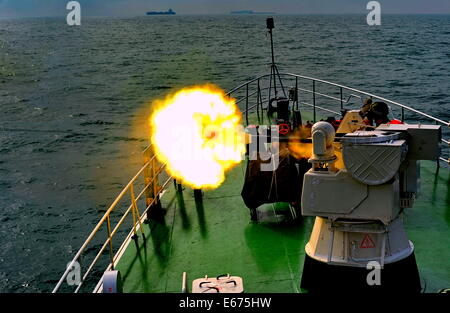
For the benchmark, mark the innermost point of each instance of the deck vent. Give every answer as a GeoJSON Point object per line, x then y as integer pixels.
{"type": "Point", "coordinates": [219, 284]}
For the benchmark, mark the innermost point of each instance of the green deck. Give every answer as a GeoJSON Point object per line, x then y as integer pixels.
{"type": "Point", "coordinates": [219, 238]}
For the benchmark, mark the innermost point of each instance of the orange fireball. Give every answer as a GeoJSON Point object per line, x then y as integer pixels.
{"type": "Point", "coordinates": [197, 132]}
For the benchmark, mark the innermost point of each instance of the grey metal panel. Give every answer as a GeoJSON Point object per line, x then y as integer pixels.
{"type": "Point", "coordinates": [374, 164]}
{"type": "Point", "coordinates": [423, 141]}
{"type": "Point", "coordinates": [339, 196]}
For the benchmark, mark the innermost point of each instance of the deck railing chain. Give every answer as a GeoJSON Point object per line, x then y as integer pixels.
{"type": "Point", "coordinates": [147, 179]}
{"type": "Point", "coordinates": [111, 254]}
{"type": "Point", "coordinates": [136, 215]}
{"type": "Point", "coordinates": [246, 105]}
{"type": "Point", "coordinates": [314, 100]}
{"type": "Point", "coordinates": [257, 101]}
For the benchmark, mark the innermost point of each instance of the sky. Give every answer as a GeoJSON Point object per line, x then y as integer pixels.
{"type": "Point", "coordinates": [28, 8]}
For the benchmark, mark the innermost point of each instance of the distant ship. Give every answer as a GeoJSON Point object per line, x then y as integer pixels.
{"type": "Point", "coordinates": [170, 12]}
{"type": "Point", "coordinates": [250, 12]}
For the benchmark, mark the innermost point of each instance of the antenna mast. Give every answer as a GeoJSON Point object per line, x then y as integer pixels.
{"type": "Point", "coordinates": [273, 67]}
{"type": "Point", "coordinates": [271, 25]}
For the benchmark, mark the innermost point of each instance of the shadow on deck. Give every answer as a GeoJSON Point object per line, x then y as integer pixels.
{"type": "Point", "coordinates": [217, 237]}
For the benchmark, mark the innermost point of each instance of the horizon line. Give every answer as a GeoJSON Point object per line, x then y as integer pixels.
{"type": "Point", "coordinates": [218, 14]}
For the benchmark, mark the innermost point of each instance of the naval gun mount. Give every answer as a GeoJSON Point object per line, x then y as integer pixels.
{"type": "Point", "coordinates": [357, 188]}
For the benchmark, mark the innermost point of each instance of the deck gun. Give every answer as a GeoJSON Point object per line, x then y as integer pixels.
{"type": "Point", "coordinates": [357, 188]}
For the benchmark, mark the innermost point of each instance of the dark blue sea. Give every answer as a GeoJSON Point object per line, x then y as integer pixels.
{"type": "Point", "coordinates": [74, 104]}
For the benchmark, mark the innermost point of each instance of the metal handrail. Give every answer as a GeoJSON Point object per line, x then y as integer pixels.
{"type": "Point", "coordinates": [138, 218]}
{"type": "Point", "coordinates": [373, 96]}
{"type": "Point", "coordinates": [130, 234]}
{"type": "Point", "coordinates": [315, 93]}
{"type": "Point", "coordinates": [344, 87]}
{"type": "Point", "coordinates": [119, 223]}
